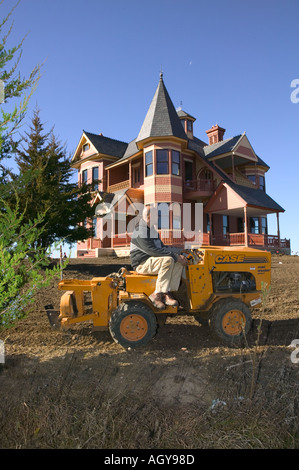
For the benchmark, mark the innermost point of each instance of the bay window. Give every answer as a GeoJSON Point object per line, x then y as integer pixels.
{"type": "Point", "coordinates": [149, 163]}
{"type": "Point", "coordinates": [176, 216]}
{"type": "Point", "coordinates": [163, 216]}
{"type": "Point", "coordinates": [162, 162]}
{"type": "Point", "coordinates": [175, 162]}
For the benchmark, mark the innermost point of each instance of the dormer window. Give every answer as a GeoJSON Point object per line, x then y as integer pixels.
{"type": "Point", "coordinates": [85, 147]}
{"type": "Point", "coordinates": [187, 125]}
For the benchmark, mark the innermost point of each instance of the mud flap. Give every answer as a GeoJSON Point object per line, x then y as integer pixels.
{"type": "Point", "coordinates": [53, 316]}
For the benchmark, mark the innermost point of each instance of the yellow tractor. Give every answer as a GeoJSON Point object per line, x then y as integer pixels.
{"type": "Point", "coordinates": [220, 284]}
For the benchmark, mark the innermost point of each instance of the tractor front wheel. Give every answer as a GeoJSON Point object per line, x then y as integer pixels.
{"type": "Point", "coordinates": [132, 324]}
{"type": "Point", "coordinates": [230, 321]}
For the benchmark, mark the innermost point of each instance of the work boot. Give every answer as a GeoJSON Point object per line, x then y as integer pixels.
{"type": "Point", "coordinates": [157, 300]}
{"type": "Point", "coordinates": [170, 300]}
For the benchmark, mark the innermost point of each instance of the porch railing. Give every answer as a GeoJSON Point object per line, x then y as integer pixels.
{"type": "Point", "coordinates": [273, 241]}
{"type": "Point", "coordinates": [257, 239]}
{"type": "Point", "coordinates": [122, 239]}
{"type": "Point", "coordinates": [200, 185]}
{"type": "Point", "coordinates": [179, 237]}
{"type": "Point", "coordinates": [118, 186]}
{"type": "Point", "coordinates": [168, 237]}
{"type": "Point", "coordinates": [199, 238]}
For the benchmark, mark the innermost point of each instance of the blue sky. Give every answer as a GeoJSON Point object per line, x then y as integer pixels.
{"type": "Point", "coordinates": [229, 62]}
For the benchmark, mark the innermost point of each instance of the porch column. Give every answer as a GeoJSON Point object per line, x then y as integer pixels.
{"type": "Point", "coordinates": [278, 230]}
{"type": "Point", "coordinates": [100, 232]}
{"type": "Point", "coordinates": [245, 226]}
{"type": "Point", "coordinates": [211, 228]}
{"type": "Point", "coordinates": [130, 174]}
{"type": "Point", "coordinates": [112, 228]}
{"type": "Point", "coordinates": [108, 179]}
{"type": "Point", "coordinates": [233, 167]}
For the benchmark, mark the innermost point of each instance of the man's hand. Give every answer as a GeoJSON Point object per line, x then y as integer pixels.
{"type": "Point", "coordinates": [182, 260]}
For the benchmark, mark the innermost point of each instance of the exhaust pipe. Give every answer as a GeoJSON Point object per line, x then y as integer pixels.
{"type": "Point", "coordinates": [53, 316]}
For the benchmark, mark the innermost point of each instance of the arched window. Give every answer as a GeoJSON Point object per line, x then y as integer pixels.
{"type": "Point", "coordinates": [176, 216]}
{"type": "Point", "coordinates": [205, 174]}
{"type": "Point", "coordinates": [163, 215]}
{"type": "Point", "coordinates": [205, 180]}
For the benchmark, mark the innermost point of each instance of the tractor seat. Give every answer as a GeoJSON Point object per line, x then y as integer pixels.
{"type": "Point", "coordinates": [135, 273]}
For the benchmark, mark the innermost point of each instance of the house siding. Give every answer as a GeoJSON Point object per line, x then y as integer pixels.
{"type": "Point", "coordinates": [210, 181]}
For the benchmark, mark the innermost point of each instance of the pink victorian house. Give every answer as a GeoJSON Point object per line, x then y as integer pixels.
{"type": "Point", "coordinates": [207, 193]}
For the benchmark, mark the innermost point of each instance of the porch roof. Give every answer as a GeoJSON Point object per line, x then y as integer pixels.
{"type": "Point", "coordinates": [232, 198]}
{"type": "Point", "coordinates": [131, 150]}
{"type": "Point", "coordinates": [257, 198]}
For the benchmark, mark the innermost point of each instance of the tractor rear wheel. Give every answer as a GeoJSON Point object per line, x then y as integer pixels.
{"type": "Point", "coordinates": [230, 321]}
{"type": "Point", "coordinates": [132, 324]}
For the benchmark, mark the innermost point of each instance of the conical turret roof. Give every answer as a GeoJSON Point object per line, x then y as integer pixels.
{"type": "Point", "coordinates": [161, 119]}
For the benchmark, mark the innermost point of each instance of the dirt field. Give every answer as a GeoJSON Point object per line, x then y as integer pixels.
{"type": "Point", "coordinates": [79, 389]}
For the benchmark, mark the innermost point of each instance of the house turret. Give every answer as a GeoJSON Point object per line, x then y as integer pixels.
{"type": "Point", "coordinates": [161, 119]}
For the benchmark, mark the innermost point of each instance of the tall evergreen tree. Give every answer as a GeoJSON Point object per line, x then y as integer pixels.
{"type": "Point", "coordinates": [15, 86]}
{"type": "Point", "coordinates": [23, 270]}
{"type": "Point", "coordinates": [44, 186]}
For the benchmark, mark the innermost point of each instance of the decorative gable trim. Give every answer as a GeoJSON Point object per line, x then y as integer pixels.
{"type": "Point", "coordinates": [243, 148]}
{"type": "Point", "coordinates": [79, 150]}
{"type": "Point", "coordinates": [224, 199]}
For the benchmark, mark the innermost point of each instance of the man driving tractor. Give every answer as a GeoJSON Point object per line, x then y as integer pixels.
{"type": "Point", "coordinates": [150, 256]}
{"type": "Point", "coordinates": [222, 285]}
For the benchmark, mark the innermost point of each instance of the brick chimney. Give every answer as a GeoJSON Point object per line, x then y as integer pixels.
{"type": "Point", "coordinates": [215, 134]}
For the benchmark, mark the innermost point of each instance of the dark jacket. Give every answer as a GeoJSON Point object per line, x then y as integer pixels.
{"type": "Point", "coordinates": [145, 242]}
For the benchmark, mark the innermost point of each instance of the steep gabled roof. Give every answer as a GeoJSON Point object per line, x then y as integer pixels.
{"type": "Point", "coordinates": [226, 146]}
{"type": "Point", "coordinates": [131, 150]}
{"type": "Point", "coordinates": [107, 146]}
{"type": "Point", "coordinates": [161, 119]}
{"type": "Point", "coordinates": [222, 147]}
{"type": "Point", "coordinates": [251, 195]}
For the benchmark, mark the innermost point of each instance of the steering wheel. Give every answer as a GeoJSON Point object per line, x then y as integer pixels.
{"type": "Point", "coordinates": [193, 256]}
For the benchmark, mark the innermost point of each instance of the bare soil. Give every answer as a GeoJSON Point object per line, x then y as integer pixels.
{"type": "Point", "coordinates": [184, 390]}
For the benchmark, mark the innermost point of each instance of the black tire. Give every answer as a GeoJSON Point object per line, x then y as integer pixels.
{"type": "Point", "coordinates": [132, 324]}
{"type": "Point", "coordinates": [230, 321]}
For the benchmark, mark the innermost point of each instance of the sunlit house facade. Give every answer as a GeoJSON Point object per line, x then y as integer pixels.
{"type": "Point", "coordinates": [207, 193]}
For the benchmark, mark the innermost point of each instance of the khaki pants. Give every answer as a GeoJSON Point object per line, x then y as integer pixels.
{"type": "Point", "coordinates": [169, 272]}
